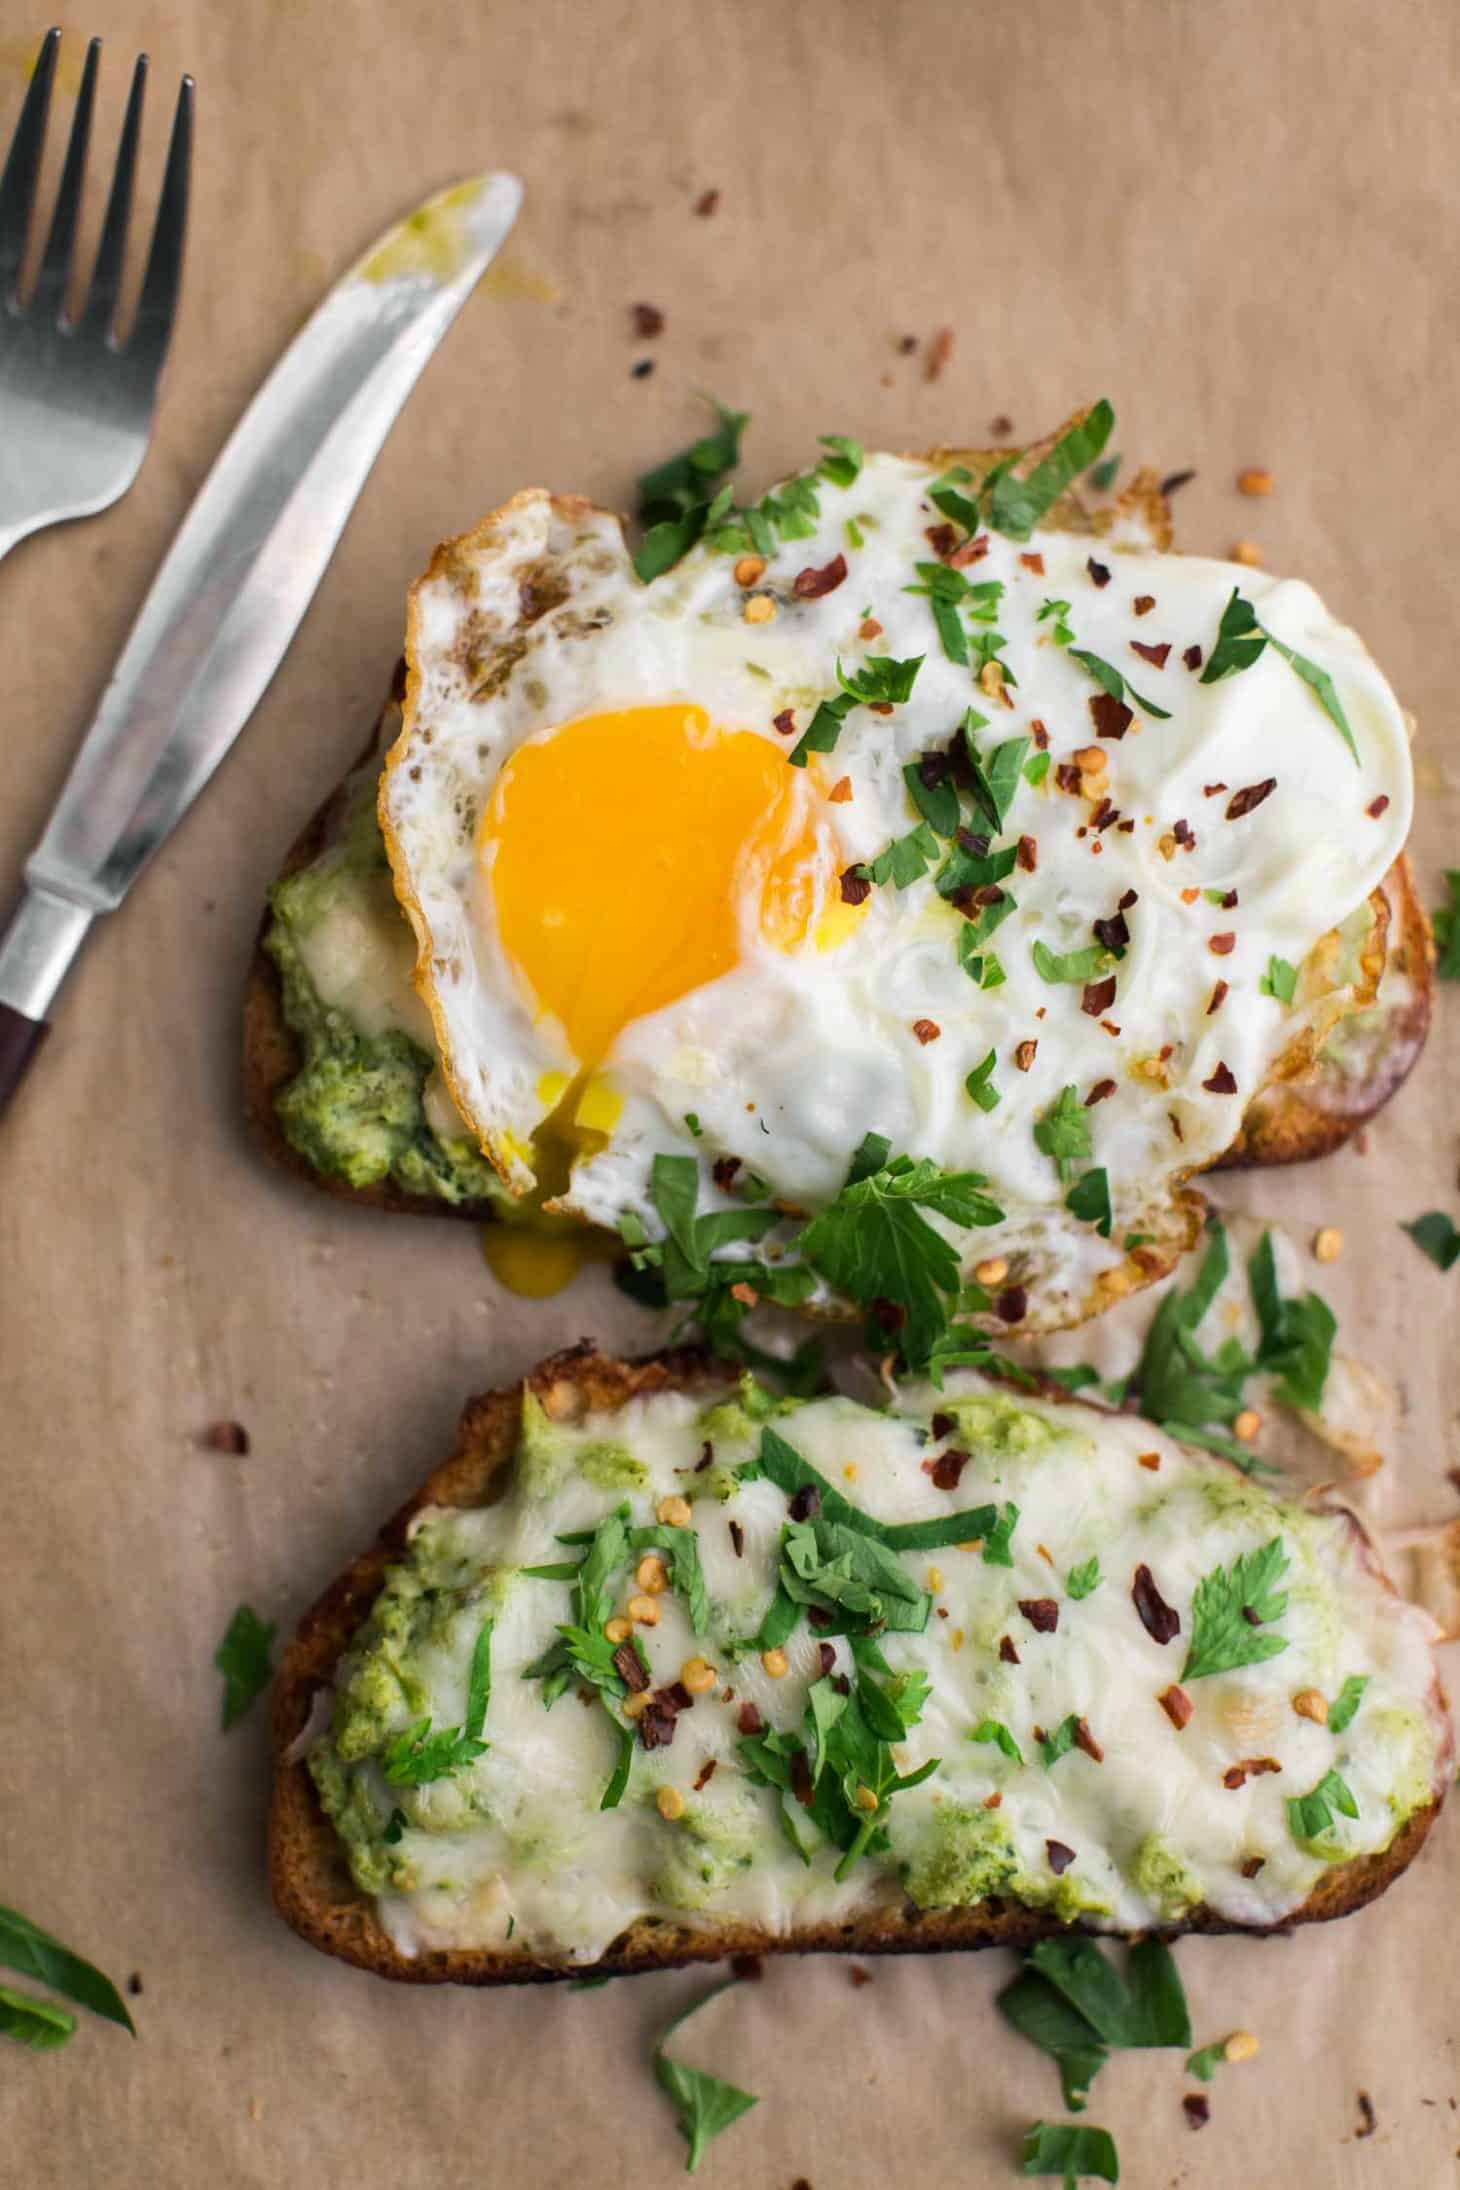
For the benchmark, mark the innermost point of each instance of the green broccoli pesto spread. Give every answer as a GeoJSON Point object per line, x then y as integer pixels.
{"type": "Point", "coordinates": [355, 1108]}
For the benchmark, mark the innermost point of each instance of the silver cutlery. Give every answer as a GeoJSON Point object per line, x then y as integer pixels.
{"type": "Point", "coordinates": [76, 403]}
{"type": "Point", "coordinates": [235, 583]}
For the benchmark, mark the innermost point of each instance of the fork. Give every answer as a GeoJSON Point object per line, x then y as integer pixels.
{"type": "Point", "coordinates": [76, 402]}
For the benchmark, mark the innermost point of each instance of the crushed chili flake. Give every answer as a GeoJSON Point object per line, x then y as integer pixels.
{"type": "Point", "coordinates": [888, 1314]}
{"type": "Point", "coordinates": [1024, 1055]}
{"type": "Point", "coordinates": [948, 1467]}
{"type": "Point", "coordinates": [906, 344]}
{"type": "Point", "coordinates": [802, 1785]}
{"type": "Point", "coordinates": [1098, 1093]}
{"type": "Point", "coordinates": [1098, 996]}
{"type": "Point", "coordinates": [748, 1719]}
{"type": "Point", "coordinates": [1160, 1620]}
{"type": "Point", "coordinates": [1244, 801]}
{"type": "Point", "coordinates": [1175, 480]}
{"type": "Point", "coordinates": [725, 1168]}
{"type": "Point", "coordinates": [1034, 563]}
{"type": "Point", "coordinates": [1156, 655]}
{"type": "Point", "coordinates": [1177, 1706]}
{"type": "Point", "coordinates": [1002, 427]}
{"type": "Point", "coordinates": [1113, 933]}
{"type": "Point", "coordinates": [1042, 1613]}
{"type": "Point", "coordinates": [630, 1667]}
{"type": "Point", "coordinates": [1099, 572]}
{"type": "Point", "coordinates": [857, 1976]}
{"type": "Point", "coordinates": [926, 1030]}
{"type": "Point", "coordinates": [648, 321]}
{"type": "Point", "coordinates": [737, 1539]}
{"type": "Point", "coordinates": [1219, 996]}
{"type": "Point", "coordinates": [826, 1656]}
{"type": "Point", "coordinates": [1008, 1655]}
{"type": "Point", "coordinates": [869, 628]}
{"type": "Point", "coordinates": [810, 585]}
{"type": "Point", "coordinates": [1222, 946]}
{"type": "Point", "coordinates": [706, 203]}
{"type": "Point", "coordinates": [1085, 1740]}
{"type": "Point", "coordinates": [1143, 604]}
{"type": "Point", "coordinates": [1376, 806]}
{"type": "Point", "coordinates": [656, 1725]}
{"type": "Point", "coordinates": [940, 350]}
{"type": "Point", "coordinates": [940, 1425]}
{"type": "Point", "coordinates": [1237, 1775]}
{"type": "Point", "coordinates": [1253, 1864]}
{"type": "Point", "coordinates": [1190, 896]}
{"type": "Point", "coordinates": [855, 888]}
{"type": "Point", "coordinates": [1067, 776]}
{"type": "Point", "coordinates": [1026, 857]}
{"type": "Point", "coordinates": [1181, 830]}
{"type": "Point", "coordinates": [229, 1437]}
{"type": "Point", "coordinates": [1197, 2108]}
{"type": "Point", "coordinates": [841, 791]}
{"type": "Point", "coordinates": [1222, 1082]}
{"type": "Point", "coordinates": [993, 1801]}
{"type": "Point", "coordinates": [806, 1503]}
{"type": "Point", "coordinates": [703, 1777]}
{"type": "Point", "coordinates": [970, 551]}
{"type": "Point", "coordinates": [942, 539]}
{"type": "Point", "coordinates": [1012, 1304]}
{"type": "Point", "coordinates": [1368, 2119]}
{"type": "Point", "coordinates": [1111, 716]}
{"type": "Point", "coordinates": [1039, 734]}
{"type": "Point", "coordinates": [1192, 656]}
{"type": "Point", "coordinates": [745, 1293]}
{"type": "Point", "coordinates": [1060, 1857]}
{"type": "Point", "coordinates": [1110, 1026]}
{"type": "Point", "coordinates": [785, 722]}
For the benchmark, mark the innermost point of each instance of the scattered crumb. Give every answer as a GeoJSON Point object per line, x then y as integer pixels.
{"type": "Point", "coordinates": [1256, 479]}
{"type": "Point", "coordinates": [940, 350]}
{"type": "Point", "coordinates": [648, 321]}
{"type": "Point", "coordinates": [1368, 2120]}
{"type": "Point", "coordinates": [1248, 552]}
{"type": "Point", "coordinates": [134, 1984]}
{"type": "Point", "coordinates": [858, 1975]}
{"type": "Point", "coordinates": [1002, 428]}
{"type": "Point", "coordinates": [749, 1967]}
{"type": "Point", "coordinates": [1197, 2108]}
{"type": "Point", "coordinates": [642, 369]}
{"type": "Point", "coordinates": [230, 1437]}
{"type": "Point", "coordinates": [706, 203]}
{"type": "Point", "coordinates": [1175, 480]}
{"type": "Point", "coordinates": [906, 344]}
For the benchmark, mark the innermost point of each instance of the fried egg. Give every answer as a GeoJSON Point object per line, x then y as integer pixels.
{"type": "Point", "coordinates": [653, 919]}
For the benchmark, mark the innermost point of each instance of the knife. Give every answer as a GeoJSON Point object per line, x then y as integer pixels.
{"type": "Point", "coordinates": [235, 584]}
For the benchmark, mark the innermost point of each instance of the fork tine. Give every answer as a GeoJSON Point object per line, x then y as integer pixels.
{"type": "Point", "coordinates": [147, 344]}
{"type": "Point", "coordinates": [55, 268]}
{"type": "Point", "coordinates": [106, 279]}
{"type": "Point", "coordinates": [17, 184]}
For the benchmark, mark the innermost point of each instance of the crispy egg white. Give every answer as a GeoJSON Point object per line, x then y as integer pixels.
{"type": "Point", "coordinates": [633, 929]}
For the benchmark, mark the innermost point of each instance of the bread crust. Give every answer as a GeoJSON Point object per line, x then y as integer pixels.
{"type": "Point", "coordinates": [313, 1891]}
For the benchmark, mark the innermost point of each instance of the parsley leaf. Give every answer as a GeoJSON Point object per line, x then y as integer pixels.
{"type": "Point", "coordinates": [418, 1755]}
{"type": "Point", "coordinates": [1077, 2006]}
{"type": "Point", "coordinates": [946, 590]}
{"type": "Point", "coordinates": [1206, 2060]}
{"type": "Point", "coordinates": [996, 1732]}
{"type": "Point", "coordinates": [1103, 475]}
{"type": "Point", "coordinates": [1045, 2017]}
{"type": "Point", "coordinates": [1109, 678]}
{"type": "Point", "coordinates": [479, 1684]}
{"type": "Point", "coordinates": [1081, 965]}
{"type": "Point", "coordinates": [937, 802]}
{"type": "Point", "coordinates": [1447, 929]}
{"type": "Point", "coordinates": [676, 498]}
{"type": "Point", "coordinates": [705, 2105]}
{"type": "Point", "coordinates": [1435, 1236]}
{"type": "Point", "coordinates": [906, 860]}
{"type": "Point", "coordinates": [1089, 1200]}
{"type": "Point", "coordinates": [1311, 1815]}
{"type": "Point", "coordinates": [1083, 1579]}
{"type": "Point", "coordinates": [1241, 640]}
{"type": "Point", "coordinates": [979, 1083]}
{"type": "Point", "coordinates": [1059, 1743]}
{"type": "Point", "coordinates": [1280, 980]}
{"type": "Point", "coordinates": [1070, 2150]}
{"type": "Point", "coordinates": [1323, 687]}
{"type": "Point", "coordinates": [244, 1661]}
{"type": "Point", "coordinates": [881, 681]}
{"type": "Point", "coordinates": [844, 460]}
{"type": "Point", "coordinates": [791, 1472]}
{"type": "Point", "coordinates": [1036, 768]}
{"type": "Point", "coordinates": [1344, 1706]}
{"type": "Point", "coordinates": [1222, 1637]}
{"type": "Point", "coordinates": [1297, 1335]}
{"type": "Point", "coordinates": [996, 780]}
{"type": "Point", "coordinates": [1015, 506]}
{"type": "Point", "coordinates": [1063, 1133]}
{"type": "Point", "coordinates": [34, 2023]}
{"type": "Point", "coordinates": [35, 1953]}
{"type": "Point", "coordinates": [1056, 612]}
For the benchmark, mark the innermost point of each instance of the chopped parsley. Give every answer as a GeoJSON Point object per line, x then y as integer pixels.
{"type": "Point", "coordinates": [1434, 1235]}
{"type": "Point", "coordinates": [678, 499]}
{"type": "Point", "coordinates": [906, 860]}
{"type": "Point", "coordinates": [395, 1825]}
{"type": "Point", "coordinates": [1206, 2060]}
{"type": "Point", "coordinates": [243, 1658]}
{"type": "Point", "coordinates": [1296, 1346]}
{"type": "Point", "coordinates": [1227, 1603]}
{"type": "Point", "coordinates": [1083, 1579]}
{"type": "Point", "coordinates": [1345, 1705]}
{"type": "Point", "coordinates": [881, 681]}
{"type": "Point", "coordinates": [949, 595]}
{"type": "Point", "coordinates": [1063, 1133]}
{"type": "Point", "coordinates": [39, 2024]}
{"type": "Point", "coordinates": [704, 2105]}
{"type": "Point", "coordinates": [1060, 1742]}
{"type": "Point", "coordinates": [1015, 506]}
{"type": "Point", "coordinates": [1104, 474]}
{"type": "Point", "coordinates": [1447, 929]}
{"type": "Point", "coordinates": [1280, 980]}
{"type": "Point", "coordinates": [979, 1084]}
{"type": "Point", "coordinates": [1036, 768]}
{"type": "Point", "coordinates": [791, 1472]}
{"type": "Point", "coordinates": [1310, 1816]}
{"type": "Point", "coordinates": [1078, 2007]}
{"type": "Point", "coordinates": [1077, 966]}
{"type": "Point", "coordinates": [1241, 641]}
{"type": "Point", "coordinates": [1089, 1200]}
{"type": "Point", "coordinates": [418, 1755]}
{"type": "Point", "coordinates": [1055, 612]}
{"type": "Point", "coordinates": [996, 780]}
{"type": "Point", "coordinates": [1070, 2150]}
{"type": "Point", "coordinates": [997, 1733]}
{"type": "Point", "coordinates": [1110, 680]}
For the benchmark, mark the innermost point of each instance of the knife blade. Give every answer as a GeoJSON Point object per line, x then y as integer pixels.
{"type": "Point", "coordinates": [236, 582]}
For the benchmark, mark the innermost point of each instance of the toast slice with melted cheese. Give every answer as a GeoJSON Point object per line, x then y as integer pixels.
{"type": "Point", "coordinates": [968, 1672]}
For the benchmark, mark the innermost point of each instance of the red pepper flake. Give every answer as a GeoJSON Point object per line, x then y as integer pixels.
{"type": "Point", "coordinates": [1034, 563]}
{"type": "Point", "coordinates": [1112, 717]}
{"type": "Point", "coordinates": [948, 1467]}
{"type": "Point", "coordinates": [926, 1030]}
{"type": "Point", "coordinates": [1099, 572]}
{"type": "Point", "coordinates": [1253, 1864]}
{"type": "Point", "coordinates": [806, 1503]}
{"type": "Point", "coordinates": [229, 1437]}
{"type": "Point", "coordinates": [857, 1976]}
{"type": "Point", "coordinates": [1368, 2119]}
{"type": "Point", "coordinates": [1175, 480]}
{"type": "Point", "coordinates": [737, 1539]}
{"type": "Point", "coordinates": [1039, 734]}
{"type": "Point", "coordinates": [1106, 812]}
{"type": "Point", "coordinates": [1085, 1740]}
{"type": "Point", "coordinates": [869, 628]}
{"type": "Point", "coordinates": [826, 1657]}
{"type": "Point", "coordinates": [630, 1667]}
{"type": "Point", "coordinates": [940, 350]}
{"type": "Point", "coordinates": [1150, 1461]}
{"type": "Point", "coordinates": [1098, 1093]}
{"type": "Point", "coordinates": [1008, 1655]}
{"type": "Point", "coordinates": [840, 793]}
{"type": "Point", "coordinates": [1219, 996]}
{"type": "Point", "coordinates": [906, 344]}
{"type": "Point", "coordinates": [1177, 1706]}
{"type": "Point", "coordinates": [1229, 899]}
{"type": "Point", "coordinates": [706, 203]}
{"type": "Point", "coordinates": [1026, 857]}
{"type": "Point", "coordinates": [1024, 1055]}
{"type": "Point", "coordinates": [648, 321]}
{"type": "Point", "coordinates": [856, 889]}
{"type": "Point", "coordinates": [810, 585]}
{"type": "Point", "coordinates": [656, 1725]}
{"type": "Point", "coordinates": [725, 1168]}
{"type": "Point", "coordinates": [1060, 1857]}
{"type": "Point", "coordinates": [1376, 806]}
{"type": "Point", "coordinates": [970, 551]}
{"type": "Point", "coordinates": [1244, 801]}
{"type": "Point", "coordinates": [1098, 996]}
{"type": "Point", "coordinates": [785, 722]}
{"type": "Point", "coordinates": [748, 1719]}
{"type": "Point", "coordinates": [993, 1801]}
{"type": "Point", "coordinates": [1197, 2108]}
{"type": "Point", "coordinates": [1210, 790]}
{"type": "Point", "coordinates": [1223, 945]}
{"type": "Point", "coordinates": [1160, 1620]}
{"type": "Point", "coordinates": [1126, 828]}
{"type": "Point", "coordinates": [703, 1777]}
{"type": "Point", "coordinates": [1237, 1775]}
{"type": "Point", "coordinates": [802, 1785]}
{"type": "Point", "coordinates": [942, 539]}
{"type": "Point", "coordinates": [1143, 604]}
{"type": "Point", "coordinates": [1068, 778]}
{"type": "Point", "coordinates": [1113, 933]}
{"type": "Point", "coordinates": [1002, 427]}
{"type": "Point", "coordinates": [1222, 1082]}
{"type": "Point", "coordinates": [1012, 1304]}
{"type": "Point", "coordinates": [1156, 655]}
{"type": "Point", "coordinates": [1181, 830]}
{"type": "Point", "coordinates": [940, 1425]}
{"type": "Point", "coordinates": [1191, 655]}
{"type": "Point", "coordinates": [1042, 1613]}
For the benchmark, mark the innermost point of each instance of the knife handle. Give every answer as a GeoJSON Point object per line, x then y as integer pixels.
{"type": "Point", "coordinates": [20, 1038]}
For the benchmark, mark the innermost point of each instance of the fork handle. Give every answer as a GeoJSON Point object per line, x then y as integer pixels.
{"type": "Point", "coordinates": [37, 947]}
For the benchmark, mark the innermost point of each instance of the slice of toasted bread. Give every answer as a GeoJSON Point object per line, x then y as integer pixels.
{"type": "Point", "coordinates": [313, 1890]}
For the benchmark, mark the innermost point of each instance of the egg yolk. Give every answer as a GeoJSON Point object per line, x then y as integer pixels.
{"type": "Point", "coordinates": [631, 857]}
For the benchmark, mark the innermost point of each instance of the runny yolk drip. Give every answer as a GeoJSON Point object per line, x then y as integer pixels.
{"type": "Point", "coordinates": [631, 855]}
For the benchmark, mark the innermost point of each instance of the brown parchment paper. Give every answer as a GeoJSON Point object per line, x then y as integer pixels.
{"type": "Point", "coordinates": [1240, 222]}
